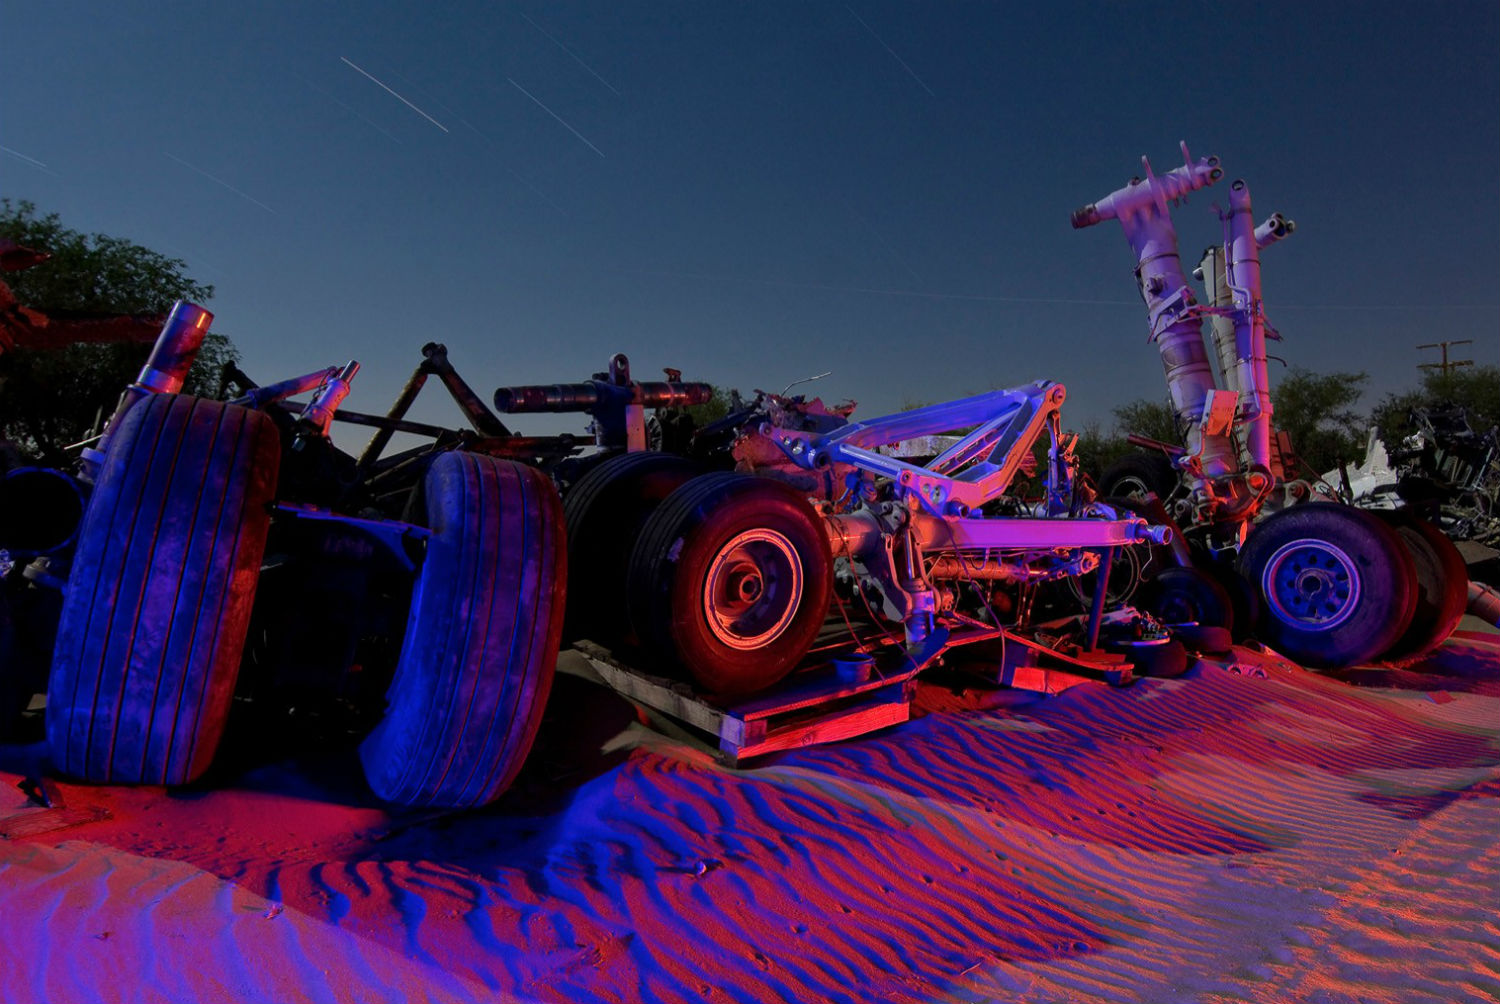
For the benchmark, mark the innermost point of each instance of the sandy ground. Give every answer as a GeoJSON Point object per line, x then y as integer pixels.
{"type": "Point", "coordinates": [1225, 836]}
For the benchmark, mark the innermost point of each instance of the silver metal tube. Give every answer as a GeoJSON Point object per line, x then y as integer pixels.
{"type": "Point", "coordinates": [1275, 228]}
{"type": "Point", "coordinates": [1221, 329]}
{"type": "Point", "coordinates": [1242, 271]}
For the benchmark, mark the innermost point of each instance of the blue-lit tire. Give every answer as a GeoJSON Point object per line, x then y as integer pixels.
{"type": "Point", "coordinates": [158, 602]}
{"type": "Point", "coordinates": [481, 642]}
{"type": "Point", "coordinates": [1338, 587]}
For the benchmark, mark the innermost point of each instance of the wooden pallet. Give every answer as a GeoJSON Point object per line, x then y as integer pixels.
{"type": "Point", "coordinates": [816, 705]}
{"type": "Point", "coordinates": [45, 811]}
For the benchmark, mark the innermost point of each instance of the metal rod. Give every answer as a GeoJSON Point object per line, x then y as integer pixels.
{"type": "Point", "coordinates": [382, 438]}
{"type": "Point", "coordinates": [479, 416]}
{"type": "Point", "coordinates": [1101, 590]}
{"type": "Point", "coordinates": [382, 422]}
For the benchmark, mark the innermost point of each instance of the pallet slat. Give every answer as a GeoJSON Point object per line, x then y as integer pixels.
{"type": "Point", "coordinates": [817, 706]}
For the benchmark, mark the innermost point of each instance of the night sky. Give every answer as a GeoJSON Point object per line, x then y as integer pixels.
{"type": "Point", "coordinates": [759, 192]}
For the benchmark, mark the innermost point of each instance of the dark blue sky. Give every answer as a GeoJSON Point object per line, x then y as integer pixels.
{"type": "Point", "coordinates": [757, 192]}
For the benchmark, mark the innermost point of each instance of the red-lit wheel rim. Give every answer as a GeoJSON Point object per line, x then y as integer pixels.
{"type": "Point", "coordinates": [752, 589]}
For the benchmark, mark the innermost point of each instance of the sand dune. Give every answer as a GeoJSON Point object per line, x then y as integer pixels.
{"type": "Point", "coordinates": [1221, 837]}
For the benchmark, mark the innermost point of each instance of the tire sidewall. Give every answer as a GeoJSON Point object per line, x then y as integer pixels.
{"type": "Point", "coordinates": [1150, 470]}
{"type": "Point", "coordinates": [1206, 599]}
{"type": "Point", "coordinates": [1385, 581]}
{"type": "Point", "coordinates": [719, 668]}
{"type": "Point", "coordinates": [1441, 579]}
{"type": "Point", "coordinates": [604, 514]}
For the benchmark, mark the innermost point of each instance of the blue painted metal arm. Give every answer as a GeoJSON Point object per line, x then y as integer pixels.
{"type": "Point", "coordinates": [976, 469]}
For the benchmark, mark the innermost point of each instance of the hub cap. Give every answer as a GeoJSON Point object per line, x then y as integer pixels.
{"type": "Point", "coordinates": [752, 589]}
{"type": "Point", "coordinates": [1311, 584]}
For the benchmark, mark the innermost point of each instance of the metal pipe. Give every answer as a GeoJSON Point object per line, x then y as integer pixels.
{"type": "Point", "coordinates": [384, 423]}
{"type": "Point", "coordinates": [1242, 274]}
{"type": "Point", "coordinates": [1484, 603]}
{"type": "Point", "coordinates": [586, 397]}
{"type": "Point", "coordinates": [382, 438]}
{"type": "Point", "coordinates": [165, 371]}
{"type": "Point", "coordinates": [175, 349]}
{"type": "Point", "coordinates": [1101, 590]}
{"type": "Point", "coordinates": [318, 415]}
{"type": "Point", "coordinates": [1155, 192]}
{"type": "Point", "coordinates": [1176, 326]}
{"type": "Point", "coordinates": [259, 397]}
{"type": "Point", "coordinates": [1153, 509]}
{"type": "Point", "coordinates": [1210, 272]}
{"type": "Point", "coordinates": [854, 535]}
{"type": "Point", "coordinates": [1275, 228]}
{"type": "Point", "coordinates": [993, 568]}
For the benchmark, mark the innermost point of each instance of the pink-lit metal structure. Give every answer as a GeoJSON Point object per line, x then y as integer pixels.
{"type": "Point", "coordinates": [1336, 585]}
{"type": "Point", "coordinates": [918, 533]}
{"type": "Point", "coordinates": [1232, 479]}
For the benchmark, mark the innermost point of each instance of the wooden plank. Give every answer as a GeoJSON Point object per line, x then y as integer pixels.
{"type": "Point", "coordinates": [659, 694]}
{"type": "Point", "coordinates": [1042, 679]}
{"type": "Point", "coordinates": [786, 719]}
{"type": "Point", "coordinates": [814, 687]}
{"type": "Point", "coordinates": [736, 733]}
{"type": "Point", "coordinates": [854, 721]}
{"type": "Point", "coordinates": [824, 684]}
{"type": "Point", "coordinates": [30, 822]}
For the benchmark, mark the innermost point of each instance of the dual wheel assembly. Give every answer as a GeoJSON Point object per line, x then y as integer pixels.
{"type": "Point", "coordinates": [1343, 586]}
{"type": "Point", "coordinates": [722, 578]}
{"type": "Point", "coordinates": [1329, 586]}
{"type": "Point", "coordinates": [157, 608]}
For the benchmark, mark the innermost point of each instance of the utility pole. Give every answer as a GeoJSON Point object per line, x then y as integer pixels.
{"type": "Point", "coordinates": [1445, 365]}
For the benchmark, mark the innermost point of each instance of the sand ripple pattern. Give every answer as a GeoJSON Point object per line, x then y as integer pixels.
{"type": "Point", "coordinates": [1213, 838]}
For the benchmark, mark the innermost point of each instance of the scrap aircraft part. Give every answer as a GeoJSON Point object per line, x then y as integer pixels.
{"type": "Point", "coordinates": [1242, 278]}
{"type": "Point", "coordinates": [1484, 603]}
{"type": "Point", "coordinates": [1339, 587]}
{"type": "Point", "coordinates": [1175, 316]}
{"type": "Point", "coordinates": [616, 402]}
{"type": "Point", "coordinates": [1232, 455]}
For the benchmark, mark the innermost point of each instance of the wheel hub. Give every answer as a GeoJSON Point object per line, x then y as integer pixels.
{"type": "Point", "coordinates": [1311, 584]}
{"type": "Point", "coordinates": [752, 589]}
{"type": "Point", "coordinates": [745, 584]}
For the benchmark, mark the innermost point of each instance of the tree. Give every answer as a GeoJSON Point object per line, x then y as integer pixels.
{"type": "Point", "coordinates": [50, 399]}
{"type": "Point", "coordinates": [1476, 390]}
{"type": "Point", "coordinates": [1153, 419]}
{"type": "Point", "coordinates": [1317, 411]}
{"type": "Point", "coordinates": [719, 405]}
{"type": "Point", "coordinates": [1097, 449]}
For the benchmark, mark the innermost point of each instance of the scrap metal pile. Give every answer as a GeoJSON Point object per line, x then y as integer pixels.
{"type": "Point", "coordinates": [216, 548]}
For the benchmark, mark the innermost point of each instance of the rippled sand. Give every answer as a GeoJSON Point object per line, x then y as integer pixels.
{"type": "Point", "coordinates": [1220, 837]}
